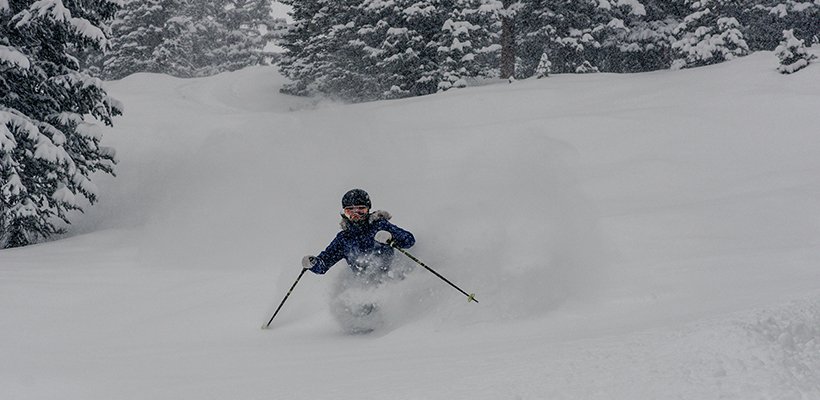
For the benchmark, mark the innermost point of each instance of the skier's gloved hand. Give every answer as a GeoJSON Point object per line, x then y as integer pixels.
{"type": "Point", "coordinates": [384, 237]}
{"type": "Point", "coordinates": [308, 262]}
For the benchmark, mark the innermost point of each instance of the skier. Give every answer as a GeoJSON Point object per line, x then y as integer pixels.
{"type": "Point", "coordinates": [363, 240]}
{"type": "Point", "coordinates": [365, 243]}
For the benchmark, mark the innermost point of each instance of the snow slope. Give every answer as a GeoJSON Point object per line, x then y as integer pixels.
{"type": "Point", "coordinates": [647, 236]}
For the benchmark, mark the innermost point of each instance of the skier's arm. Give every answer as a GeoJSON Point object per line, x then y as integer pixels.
{"type": "Point", "coordinates": [402, 238]}
{"type": "Point", "coordinates": [328, 258]}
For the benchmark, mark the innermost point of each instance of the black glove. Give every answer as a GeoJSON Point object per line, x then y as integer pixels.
{"type": "Point", "coordinates": [308, 262]}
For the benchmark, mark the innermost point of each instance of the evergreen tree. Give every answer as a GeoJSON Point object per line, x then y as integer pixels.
{"type": "Point", "coordinates": [647, 46]}
{"type": "Point", "coordinates": [707, 35]}
{"type": "Point", "coordinates": [463, 45]}
{"type": "Point", "coordinates": [137, 32]}
{"type": "Point", "coordinates": [765, 20]}
{"type": "Point", "coordinates": [375, 49]}
{"type": "Point", "coordinates": [187, 38]}
{"type": "Point", "coordinates": [175, 55]}
{"type": "Point", "coordinates": [792, 54]}
{"type": "Point", "coordinates": [562, 30]}
{"type": "Point", "coordinates": [307, 43]}
{"type": "Point", "coordinates": [456, 54]}
{"type": "Point", "coordinates": [246, 20]}
{"type": "Point", "coordinates": [638, 36]}
{"type": "Point", "coordinates": [426, 46]}
{"type": "Point", "coordinates": [544, 67]}
{"type": "Point", "coordinates": [204, 34]}
{"type": "Point", "coordinates": [49, 141]}
{"type": "Point", "coordinates": [370, 52]}
{"type": "Point", "coordinates": [577, 36]}
{"type": "Point", "coordinates": [224, 35]}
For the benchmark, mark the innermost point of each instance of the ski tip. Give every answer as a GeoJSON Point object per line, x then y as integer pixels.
{"type": "Point", "coordinates": [264, 327]}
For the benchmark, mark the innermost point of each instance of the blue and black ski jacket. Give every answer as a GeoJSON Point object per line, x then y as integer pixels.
{"type": "Point", "coordinates": [356, 243]}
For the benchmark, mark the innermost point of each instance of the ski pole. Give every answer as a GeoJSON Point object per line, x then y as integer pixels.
{"type": "Point", "coordinates": [470, 296]}
{"type": "Point", "coordinates": [266, 326]}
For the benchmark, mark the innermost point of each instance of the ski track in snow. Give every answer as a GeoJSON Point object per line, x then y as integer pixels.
{"type": "Point", "coordinates": [647, 236]}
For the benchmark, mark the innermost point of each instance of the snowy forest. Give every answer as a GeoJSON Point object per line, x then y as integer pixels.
{"type": "Point", "coordinates": [54, 56]}
{"type": "Point", "coordinates": [382, 49]}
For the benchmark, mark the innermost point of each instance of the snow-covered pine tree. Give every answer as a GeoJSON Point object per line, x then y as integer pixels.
{"type": "Point", "coordinates": [647, 46]}
{"type": "Point", "coordinates": [455, 54]}
{"type": "Point", "coordinates": [792, 54]}
{"type": "Point", "coordinates": [276, 29]}
{"type": "Point", "coordinates": [709, 34]}
{"type": "Point", "coordinates": [544, 67]}
{"type": "Point", "coordinates": [308, 43]}
{"type": "Point", "coordinates": [417, 47]}
{"type": "Point", "coordinates": [225, 34]}
{"type": "Point", "coordinates": [205, 34]}
{"type": "Point", "coordinates": [344, 60]}
{"type": "Point", "coordinates": [249, 20]}
{"type": "Point", "coordinates": [536, 31]}
{"type": "Point", "coordinates": [137, 31]}
{"type": "Point", "coordinates": [485, 15]}
{"type": "Point", "coordinates": [638, 36]}
{"type": "Point", "coordinates": [375, 49]}
{"type": "Point", "coordinates": [464, 49]}
{"type": "Point", "coordinates": [383, 50]}
{"type": "Point", "coordinates": [348, 70]}
{"type": "Point", "coordinates": [175, 55]}
{"type": "Point", "coordinates": [576, 41]}
{"type": "Point", "coordinates": [765, 20]}
{"type": "Point", "coordinates": [187, 38]}
{"type": "Point", "coordinates": [49, 114]}
{"type": "Point", "coordinates": [577, 36]}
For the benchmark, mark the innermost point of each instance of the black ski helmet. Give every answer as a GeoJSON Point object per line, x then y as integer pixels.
{"type": "Point", "coordinates": [356, 197]}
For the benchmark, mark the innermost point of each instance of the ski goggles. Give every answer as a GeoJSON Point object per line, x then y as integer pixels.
{"type": "Point", "coordinates": [355, 213]}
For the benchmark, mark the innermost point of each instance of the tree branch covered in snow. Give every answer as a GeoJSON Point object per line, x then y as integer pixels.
{"type": "Point", "coordinates": [792, 54]}
{"type": "Point", "coordinates": [49, 115]}
{"type": "Point", "coordinates": [706, 36]}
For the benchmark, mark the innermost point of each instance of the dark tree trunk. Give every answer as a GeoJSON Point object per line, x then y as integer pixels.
{"type": "Point", "coordinates": [507, 43]}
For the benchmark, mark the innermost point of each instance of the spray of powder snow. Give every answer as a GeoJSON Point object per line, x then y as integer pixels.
{"type": "Point", "coordinates": [516, 230]}
{"type": "Point", "coordinates": [495, 207]}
